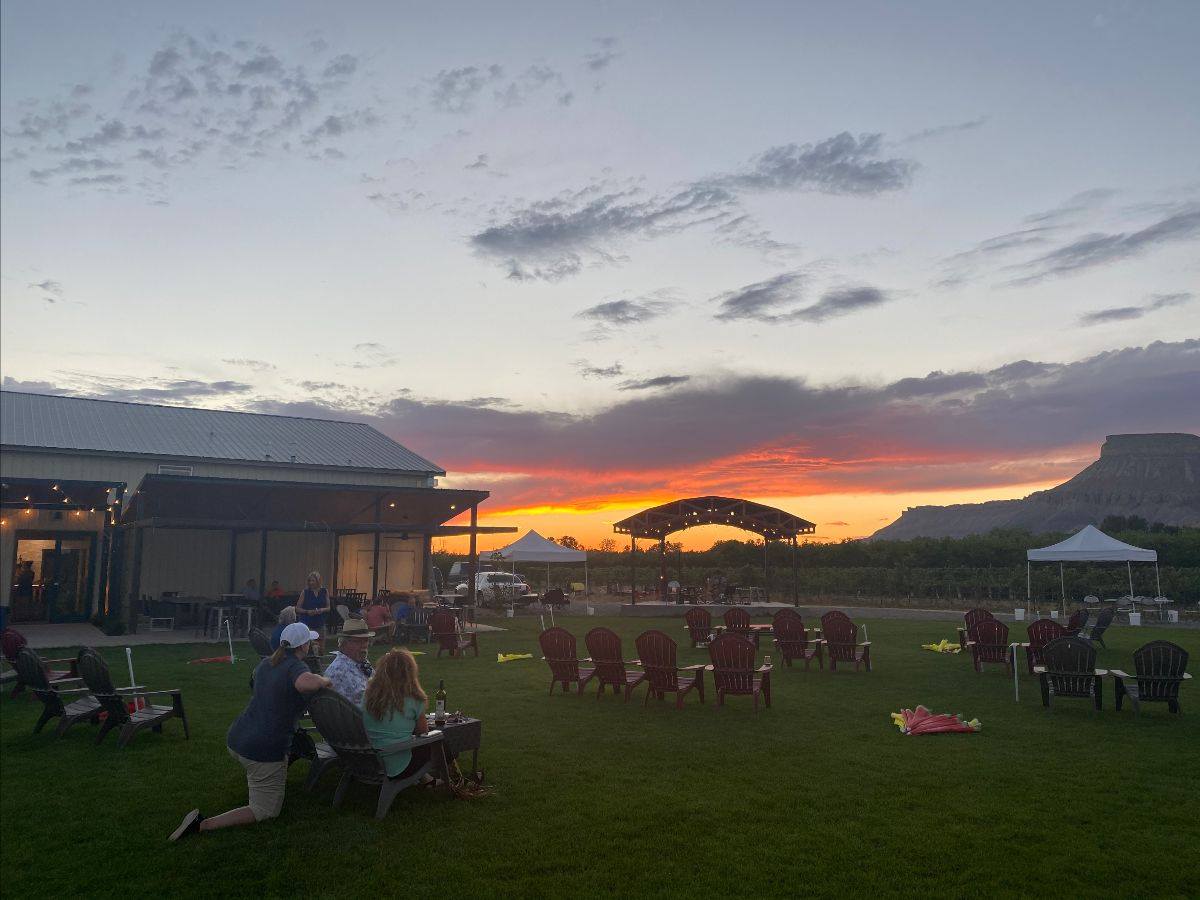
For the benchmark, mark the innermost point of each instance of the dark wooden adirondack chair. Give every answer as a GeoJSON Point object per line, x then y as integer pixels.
{"type": "Point", "coordinates": [114, 700]}
{"type": "Point", "coordinates": [1041, 632]}
{"type": "Point", "coordinates": [1096, 632]}
{"type": "Point", "coordinates": [1069, 670]}
{"type": "Point", "coordinates": [260, 642]}
{"type": "Point", "coordinates": [444, 628]}
{"type": "Point", "coordinates": [792, 640]}
{"type": "Point", "coordinates": [699, 625]}
{"type": "Point", "coordinates": [558, 646]}
{"type": "Point", "coordinates": [1078, 621]}
{"type": "Point", "coordinates": [737, 621]}
{"type": "Point", "coordinates": [1160, 668]}
{"type": "Point", "coordinates": [734, 672]}
{"type": "Point", "coordinates": [991, 645]}
{"type": "Point", "coordinates": [341, 724]}
{"type": "Point", "coordinates": [11, 642]}
{"type": "Point", "coordinates": [658, 658]}
{"type": "Point", "coordinates": [555, 597]}
{"type": "Point", "coordinates": [604, 648]}
{"type": "Point", "coordinates": [841, 641]}
{"type": "Point", "coordinates": [32, 672]}
{"type": "Point", "coordinates": [971, 618]}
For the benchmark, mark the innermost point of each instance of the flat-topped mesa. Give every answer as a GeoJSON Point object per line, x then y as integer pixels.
{"type": "Point", "coordinates": [1177, 444]}
{"type": "Point", "coordinates": [1154, 476]}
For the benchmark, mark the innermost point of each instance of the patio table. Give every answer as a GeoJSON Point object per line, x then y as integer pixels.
{"type": "Point", "coordinates": [460, 734]}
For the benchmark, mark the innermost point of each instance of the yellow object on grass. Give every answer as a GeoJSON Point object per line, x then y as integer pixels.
{"type": "Point", "coordinates": [942, 646]}
{"type": "Point", "coordinates": [509, 657]}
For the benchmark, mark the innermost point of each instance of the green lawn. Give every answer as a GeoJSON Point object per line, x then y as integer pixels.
{"type": "Point", "coordinates": [818, 795]}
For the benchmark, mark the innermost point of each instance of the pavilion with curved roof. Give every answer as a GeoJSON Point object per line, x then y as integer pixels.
{"type": "Point", "coordinates": [657, 522]}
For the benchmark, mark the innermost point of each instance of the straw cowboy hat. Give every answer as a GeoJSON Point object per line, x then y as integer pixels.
{"type": "Point", "coordinates": [355, 628]}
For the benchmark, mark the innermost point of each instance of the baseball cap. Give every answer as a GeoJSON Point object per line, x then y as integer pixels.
{"type": "Point", "coordinates": [296, 634]}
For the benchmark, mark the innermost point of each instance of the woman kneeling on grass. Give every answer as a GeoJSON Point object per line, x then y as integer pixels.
{"type": "Point", "coordinates": [394, 710]}
{"type": "Point", "coordinates": [261, 736]}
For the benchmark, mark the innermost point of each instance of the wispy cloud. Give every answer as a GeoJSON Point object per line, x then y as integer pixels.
{"type": "Point", "coordinates": [456, 90]}
{"type": "Point", "coordinates": [1126, 313]}
{"type": "Point", "coordinates": [553, 238]}
{"type": "Point", "coordinates": [587, 370]}
{"type": "Point", "coordinates": [602, 58]}
{"type": "Point", "coordinates": [255, 365]}
{"type": "Point", "coordinates": [626, 312]}
{"type": "Point", "coordinates": [774, 301]}
{"type": "Point", "coordinates": [658, 381]}
{"type": "Point", "coordinates": [943, 130]}
{"type": "Point", "coordinates": [1100, 248]}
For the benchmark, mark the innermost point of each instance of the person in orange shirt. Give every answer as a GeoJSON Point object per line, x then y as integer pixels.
{"type": "Point", "coordinates": [379, 619]}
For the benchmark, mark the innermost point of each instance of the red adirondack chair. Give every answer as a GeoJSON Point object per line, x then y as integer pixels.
{"type": "Point", "coordinates": [444, 629]}
{"type": "Point", "coordinates": [558, 646]}
{"type": "Point", "coordinates": [663, 675]}
{"type": "Point", "coordinates": [11, 642]}
{"type": "Point", "coordinates": [733, 670]}
{"type": "Point", "coordinates": [1077, 621]}
{"type": "Point", "coordinates": [792, 640]}
{"type": "Point", "coordinates": [1042, 632]}
{"type": "Point", "coordinates": [841, 641]}
{"type": "Point", "coordinates": [971, 618]}
{"type": "Point", "coordinates": [737, 621]}
{"type": "Point", "coordinates": [991, 645]}
{"type": "Point", "coordinates": [699, 625]}
{"type": "Point", "coordinates": [604, 648]}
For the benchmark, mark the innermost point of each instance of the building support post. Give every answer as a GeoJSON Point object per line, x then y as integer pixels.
{"type": "Point", "coordinates": [662, 568]}
{"type": "Point", "coordinates": [135, 587]}
{"type": "Point", "coordinates": [766, 567]}
{"type": "Point", "coordinates": [262, 565]}
{"type": "Point", "coordinates": [233, 536]}
{"type": "Point", "coordinates": [795, 585]}
{"type": "Point", "coordinates": [473, 565]}
{"type": "Point", "coordinates": [375, 548]}
{"type": "Point", "coordinates": [632, 569]}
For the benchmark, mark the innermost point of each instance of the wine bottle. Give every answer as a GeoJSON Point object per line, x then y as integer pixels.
{"type": "Point", "coordinates": [439, 705]}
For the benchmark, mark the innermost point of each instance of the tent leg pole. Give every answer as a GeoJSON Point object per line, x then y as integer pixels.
{"type": "Point", "coordinates": [632, 569]}
{"type": "Point", "coordinates": [1157, 580]}
{"type": "Point", "coordinates": [1062, 583]}
{"type": "Point", "coordinates": [1028, 583]}
{"type": "Point", "coordinates": [1129, 569]}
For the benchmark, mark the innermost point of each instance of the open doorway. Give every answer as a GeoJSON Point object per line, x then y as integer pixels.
{"type": "Point", "coordinates": [52, 577]}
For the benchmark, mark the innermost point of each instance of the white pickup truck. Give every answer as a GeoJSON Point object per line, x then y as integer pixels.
{"type": "Point", "coordinates": [498, 588]}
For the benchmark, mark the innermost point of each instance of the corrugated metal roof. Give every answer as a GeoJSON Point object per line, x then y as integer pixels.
{"type": "Point", "coordinates": [75, 423]}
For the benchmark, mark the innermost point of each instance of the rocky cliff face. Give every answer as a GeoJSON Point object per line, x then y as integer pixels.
{"type": "Point", "coordinates": [1155, 476]}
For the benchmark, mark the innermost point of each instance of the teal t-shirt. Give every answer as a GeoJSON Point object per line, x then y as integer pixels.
{"type": "Point", "coordinates": [393, 729]}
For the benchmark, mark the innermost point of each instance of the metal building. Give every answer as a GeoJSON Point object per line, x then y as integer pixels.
{"type": "Point", "coordinates": [107, 504]}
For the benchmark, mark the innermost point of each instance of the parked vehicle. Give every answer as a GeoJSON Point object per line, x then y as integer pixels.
{"type": "Point", "coordinates": [500, 588]}
{"type": "Point", "coordinates": [460, 571]}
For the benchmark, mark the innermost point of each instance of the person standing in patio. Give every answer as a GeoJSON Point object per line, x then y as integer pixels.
{"type": "Point", "coordinates": [261, 736]}
{"type": "Point", "coordinates": [312, 606]}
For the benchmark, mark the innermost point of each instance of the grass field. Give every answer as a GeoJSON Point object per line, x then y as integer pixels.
{"type": "Point", "coordinates": [818, 795]}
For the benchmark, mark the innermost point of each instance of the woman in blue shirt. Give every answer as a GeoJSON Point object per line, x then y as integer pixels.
{"type": "Point", "coordinates": [394, 710]}
{"type": "Point", "coordinates": [312, 606]}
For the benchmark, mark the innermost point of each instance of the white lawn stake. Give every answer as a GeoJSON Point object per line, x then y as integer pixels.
{"type": "Point", "coordinates": [129, 660]}
{"type": "Point", "coordinates": [551, 616]}
{"type": "Point", "coordinates": [229, 631]}
{"type": "Point", "coordinates": [865, 638]}
{"type": "Point", "coordinates": [542, 619]}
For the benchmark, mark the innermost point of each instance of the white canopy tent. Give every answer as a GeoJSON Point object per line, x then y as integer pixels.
{"type": "Point", "coordinates": [1089, 545]}
{"type": "Point", "coordinates": [535, 548]}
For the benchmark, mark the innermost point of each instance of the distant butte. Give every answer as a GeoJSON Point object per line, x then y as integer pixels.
{"type": "Point", "coordinates": [1155, 476]}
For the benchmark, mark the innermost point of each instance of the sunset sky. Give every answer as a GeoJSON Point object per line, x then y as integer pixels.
{"type": "Point", "coordinates": [841, 258]}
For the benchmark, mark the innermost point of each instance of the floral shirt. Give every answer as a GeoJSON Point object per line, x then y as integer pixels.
{"type": "Point", "coordinates": [349, 677]}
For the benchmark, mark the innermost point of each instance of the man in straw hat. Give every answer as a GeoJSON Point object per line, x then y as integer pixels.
{"type": "Point", "coordinates": [350, 668]}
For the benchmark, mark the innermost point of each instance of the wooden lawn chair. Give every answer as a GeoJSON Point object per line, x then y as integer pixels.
{"type": "Point", "coordinates": [991, 645]}
{"type": "Point", "coordinates": [657, 654]}
{"type": "Point", "coordinates": [1069, 670]}
{"type": "Point", "coordinates": [604, 651]}
{"type": "Point", "coordinates": [733, 658]}
{"type": "Point", "coordinates": [558, 647]}
{"type": "Point", "coordinates": [1041, 632]}
{"type": "Point", "coordinates": [115, 702]}
{"type": "Point", "coordinates": [792, 640]}
{"type": "Point", "coordinates": [11, 642]}
{"type": "Point", "coordinates": [699, 626]}
{"type": "Point", "coordinates": [1160, 668]}
{"type": "Point", "coordinates": [444, 628]}
{"type": "Point", "coordinates": [32, 671]}
{"type": "Point", "coordinates": [841, 641]}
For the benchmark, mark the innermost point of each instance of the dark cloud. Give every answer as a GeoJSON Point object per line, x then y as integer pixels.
{"type": "Point", "coordinates": [49, 286]}
{"type": "Point", "coordinates": [1125, 313]}
{"type": "Point", "coordinates": [481, 162]}
{"type": "Point", "coordinates": [625, 312]}
{"type": "Point", "coordinates": [659, 381]}
{"type": "Point", "coordinates": [134, 390]}
{"type": "Point", "coordinates": [557, 235]}
{"type": "Point", "coordinates": [787, 435]}
{"type": "Point", "coordinates": [842, 164]}
{"type": "Point", "coordinates": [601, 59]}
{"type": "Point", "coordinates": [943, 130]}
{"type": "Point", "coordinates": [774, 301]}
{"type": "Point", "coordinates": [456, 90]}
{"type": "Point", "coordinates": [192, 100]}
{"type": "Point", "coordinates": [1099, 248]}
{"type": "Point", "coordinates": [833, 524]}
{"type": "Point", "coordinates": [74, 165]}
{"type": "Point", "coordinates": [616, 370]}
{"type": "Point", "coordinates": [530, 81]}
